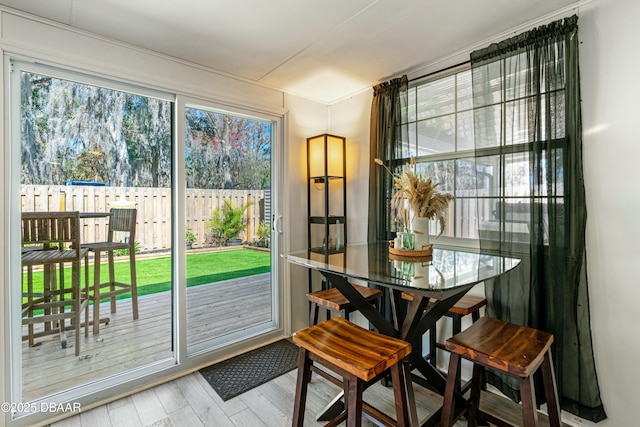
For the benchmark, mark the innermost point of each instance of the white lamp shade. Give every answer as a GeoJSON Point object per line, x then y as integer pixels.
{"type": "Point", "coordinates": [333, 146]}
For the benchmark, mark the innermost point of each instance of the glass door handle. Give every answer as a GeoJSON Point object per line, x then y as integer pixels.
{"type": "Point", "coordinates": [277, 221]}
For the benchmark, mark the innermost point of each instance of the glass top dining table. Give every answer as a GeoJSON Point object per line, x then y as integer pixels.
{"type": "Point", "coordinates": [438, 275]}
{"type": "Point", "coordinates": [442, 278]}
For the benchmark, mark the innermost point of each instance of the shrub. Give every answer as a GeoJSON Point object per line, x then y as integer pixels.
{"type": "Point", "coordinates": [227, 222]}
{"type": "Point", "coordinates": [264, 233]}
{"type": "Point", "coordinates": [190, 238]}
{"type": "Point", "coordinates": [125, 252]}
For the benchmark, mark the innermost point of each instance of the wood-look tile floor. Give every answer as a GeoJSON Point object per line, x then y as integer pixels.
{"type": "Point", "coordinates": [189, 401]}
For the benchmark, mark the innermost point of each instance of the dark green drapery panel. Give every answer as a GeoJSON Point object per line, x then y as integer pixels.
{"type": "Point", "coordinates": [388, 130]}
{"type": "Point", "coordinates": [527, 123]}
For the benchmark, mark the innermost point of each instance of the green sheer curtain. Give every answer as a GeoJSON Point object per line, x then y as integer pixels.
{"type": "Point", "coordinates": [387, 134]}
{"type": "Point", "coordinates": [528, 136]}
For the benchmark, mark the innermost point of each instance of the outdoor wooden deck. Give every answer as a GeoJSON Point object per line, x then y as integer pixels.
{"type": "Point", "coordinates": [213, 310]}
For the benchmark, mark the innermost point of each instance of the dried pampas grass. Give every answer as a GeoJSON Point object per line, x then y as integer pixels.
{"type": "Point", "coordinates": [422, 197]}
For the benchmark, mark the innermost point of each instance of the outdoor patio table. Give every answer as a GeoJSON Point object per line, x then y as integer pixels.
{"type": "Point", "coordinates": [444, 277]}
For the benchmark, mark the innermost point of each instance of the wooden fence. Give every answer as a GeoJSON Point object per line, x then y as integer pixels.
{"type": "Point", "coordinates": [153, 231]}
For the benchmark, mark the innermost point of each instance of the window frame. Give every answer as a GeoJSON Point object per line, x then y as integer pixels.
{"type": "Point", "coordinates": [454, 156]}
{"type": "Point", "coordinates": [412, 148]}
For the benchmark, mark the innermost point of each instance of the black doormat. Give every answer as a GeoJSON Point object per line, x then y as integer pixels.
{"type": "Point", "coordinates": [246, 371]}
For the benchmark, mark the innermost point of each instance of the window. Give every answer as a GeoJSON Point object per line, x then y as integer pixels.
{"type": "Point", "coordinates": [90, 145]}
{"type": "Point", "coordinates": [440, 138]}
{"type": "Point", "coordinates": [490, 177]}
{"type": "Point", "coordinates": [228, 193]}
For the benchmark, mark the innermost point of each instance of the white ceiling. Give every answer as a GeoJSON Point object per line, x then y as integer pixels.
{"type": "Point", "coordinates": [325, 50]}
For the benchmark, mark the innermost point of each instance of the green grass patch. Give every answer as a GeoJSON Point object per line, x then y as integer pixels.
{"type": "Point", "coordinates": [154, 274]}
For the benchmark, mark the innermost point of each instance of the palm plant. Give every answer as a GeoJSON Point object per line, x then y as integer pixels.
{"type": "Point", "coordinates": [228, 222]}
{"type": "Point", "coordinates": [264, 233]}
{"type": "Point", "coordinates": [190, 237]}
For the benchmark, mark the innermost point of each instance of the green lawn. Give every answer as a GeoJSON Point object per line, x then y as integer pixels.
{"type": "Point", "coordinates": [154, 274]}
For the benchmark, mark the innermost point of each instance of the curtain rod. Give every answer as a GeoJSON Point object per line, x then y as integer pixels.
{"type": "Point", "coordinates": [459, 64]}
{"type": "Point", "coordinates": [505, 34]}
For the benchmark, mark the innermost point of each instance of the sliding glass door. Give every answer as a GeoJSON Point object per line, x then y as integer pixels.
{"type": "Point", "coordinates": [230, 291]}
{"type": "Point", "coordinates": [166, 210]}
{"type": "Point", "coordinates": [103, 150]}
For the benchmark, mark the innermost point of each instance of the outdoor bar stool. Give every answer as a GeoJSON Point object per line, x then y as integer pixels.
{"type": "Point", "coordinates": [332, 300]}
{"type": "Point", "coordinates": [360, 357]}
{"type": "Point", "coordinates": [120, 221]}
{"type": "Point", "coordinates": [514, 350]}
{"type": "Point", "coordinates": [51, 240]}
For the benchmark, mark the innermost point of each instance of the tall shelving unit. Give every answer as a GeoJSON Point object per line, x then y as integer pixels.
{"type": "Point", "coordinates": [326, 201]}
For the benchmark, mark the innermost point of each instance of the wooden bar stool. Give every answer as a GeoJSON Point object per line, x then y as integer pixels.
{"type": "Point", "coordinates": [360, 357]}
{"type": "Point", "coordinates": [512, 349]}
{"type": "Point", "coordinates": [120, 221]}
{"type": "Point", "coordinates": [50, 240]}
{"type": "Point", "coordinates": [467, 305]}
{"type": "Point", "coordinates": [332, 300]}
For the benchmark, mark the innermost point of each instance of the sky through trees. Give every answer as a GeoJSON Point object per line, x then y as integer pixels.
{"type": "Point", "coordinates": [77, 132]}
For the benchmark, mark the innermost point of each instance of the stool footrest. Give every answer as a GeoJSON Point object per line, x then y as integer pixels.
{"type": "Point", "coordinates": [493, 420]}
{"type": "Point", "coordinates": [326, 375]}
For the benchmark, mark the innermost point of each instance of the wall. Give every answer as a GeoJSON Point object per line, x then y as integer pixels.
{"type": "Point", "coordinates": [609, 33]}
{"type": "Point", "coordinates": [350, 118]}
{"type": "Point", "coordinates": [305, 119]}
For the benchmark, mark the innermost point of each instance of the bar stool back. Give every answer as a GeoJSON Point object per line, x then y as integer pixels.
{"type": "Point", "coordinates": [51, 239]}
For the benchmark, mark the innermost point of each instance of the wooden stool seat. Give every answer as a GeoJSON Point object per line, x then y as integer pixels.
{"type": "Point", "coordinates": [332, 299]}
{"type": "Point", "coordinates": [361, 357]}
{"type": "Point", "coordinates": [515, 350]}
{"type": "Point", "coordinates": [468, 304]}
